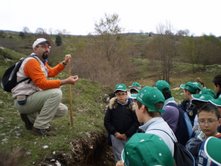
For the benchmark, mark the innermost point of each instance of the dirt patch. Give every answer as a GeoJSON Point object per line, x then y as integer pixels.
{"type": "Point", "coordinates": [92, 150]}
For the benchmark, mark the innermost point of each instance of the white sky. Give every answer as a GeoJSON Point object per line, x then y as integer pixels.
{"type": "Point", "coordinates": [79, 16]}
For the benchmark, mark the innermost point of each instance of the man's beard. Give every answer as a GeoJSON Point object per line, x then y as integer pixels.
{"type": "Point", "coordinates": [45, 55]}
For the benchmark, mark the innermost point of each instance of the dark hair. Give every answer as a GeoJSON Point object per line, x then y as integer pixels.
{"type": "Point", "coordinates": [167, 93]}
{"type": "Point", "coordinates": [152, 114]}
{"type": "Point", "coordinates": [217, 81]}
{"type": "Point", "coordinates": [209, 108]}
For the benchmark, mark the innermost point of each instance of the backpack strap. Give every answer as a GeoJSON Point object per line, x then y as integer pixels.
{"type": "Point", "coordinates": [172, 104]}
{"type": "Point", "coordinates": [33, 56]}
{"type": "Point", "coordinates": [166, 133]}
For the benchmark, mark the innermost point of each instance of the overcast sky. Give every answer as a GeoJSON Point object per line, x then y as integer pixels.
{"type": "Point", "coordinates": [79, 16]}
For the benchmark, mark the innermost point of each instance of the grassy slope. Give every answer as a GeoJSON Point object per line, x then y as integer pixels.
{"type": "Point", "coordinates": [87, 116]}
{"type": "Point", "coordinates": [87, 110]}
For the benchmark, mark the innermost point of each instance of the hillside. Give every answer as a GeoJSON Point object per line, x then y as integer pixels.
{"type": "Point", "coordinates": [85, 141]}
{"type": "Point", "coordinates": [72, 144]}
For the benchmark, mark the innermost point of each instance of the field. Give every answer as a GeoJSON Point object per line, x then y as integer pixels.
{"type": "Point", "coordinates": [85, 141]}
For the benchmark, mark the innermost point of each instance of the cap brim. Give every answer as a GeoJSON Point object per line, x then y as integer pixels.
{"type": "Point", "coordinates": [214, 102]}
{"type": "Point", "coordinates": [197, 97]}
{"type": "Point", "coordinates": [182, 86]}
{"type": "Point", "coordinates": [212, 149]}
{"type": "Point", "coordinates": [122, 155]}
{"type": "Point", "coordinates": [133, 96]}
{"type": "Point", "coordinates": [117, 90]}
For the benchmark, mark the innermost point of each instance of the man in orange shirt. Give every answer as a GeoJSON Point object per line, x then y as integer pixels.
{"type": "Point", "coordinates": [38, 99]}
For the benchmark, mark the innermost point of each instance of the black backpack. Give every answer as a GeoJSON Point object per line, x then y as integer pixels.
{"type": "Point", "coordinates": [9, 78]}
{"type": "Point", "coordinates": [181, 155]}
{"type": "Point", "coordinates": [184, 127]}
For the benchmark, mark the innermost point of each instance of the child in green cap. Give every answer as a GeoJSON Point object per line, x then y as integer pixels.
{"type": "Point", "coordinates": [150, 101]}
{"type": "Point", "coordinates": [208, 119]}
{"type": "Point", "coordinates": [120, 119]}
{"type": "Point", "coordinates": [146, 150]}
{"type": "Point", "coordinates": [135, 87]}
{"type": "Point", "coordinates": [190, 88]}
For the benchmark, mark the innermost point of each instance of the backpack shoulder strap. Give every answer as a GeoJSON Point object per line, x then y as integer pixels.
{"type": "Point", "coordinates": [172, 104]}
{"type": "Point", "coordinates": [166, 133]}
{"type": "Point", "coordinates": [33, 56]}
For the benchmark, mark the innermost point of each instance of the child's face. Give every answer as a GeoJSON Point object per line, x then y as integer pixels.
{"type": "Point", "coordinates": [121, 96]}
{"type": "Point", "coordinates": [208, 122]}
{"type": "Point", "coordinates": [217, 88]}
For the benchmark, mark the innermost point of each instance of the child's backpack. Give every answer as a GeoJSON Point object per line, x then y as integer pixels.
{"type": "Point", "coordinates": [181, 155]}
{"type": "Point", "coordinates": [9, 78]}
{"type": "Point", "coordinates": [184, 127]}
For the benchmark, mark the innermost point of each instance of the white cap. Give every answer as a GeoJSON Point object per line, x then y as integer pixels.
{"type": "Point", "coordinates": [39, 41]}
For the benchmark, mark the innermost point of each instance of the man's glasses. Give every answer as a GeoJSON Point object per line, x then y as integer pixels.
{"type": "Point", "coordinates": [45, 46]}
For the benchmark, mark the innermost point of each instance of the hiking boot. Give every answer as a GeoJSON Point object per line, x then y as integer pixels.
{"type": "Point", "coordinates": [28, 124]}
{"type": "Point", "coordinates": [42, 132]}
{"type": "Point", "coordinates": [51, 128]}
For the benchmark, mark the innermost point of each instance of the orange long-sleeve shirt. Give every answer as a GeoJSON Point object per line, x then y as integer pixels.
{"type": "Point", "coordinates": [32, 69]}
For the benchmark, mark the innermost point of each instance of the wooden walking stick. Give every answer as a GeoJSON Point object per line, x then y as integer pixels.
{"type": "Point", "coordinates": [70, 96]}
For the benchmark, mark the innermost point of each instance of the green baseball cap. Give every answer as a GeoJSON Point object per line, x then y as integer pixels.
{"type": "Point", "coordinates": [201, 97]}
{"type": "Point", "coordinates": [135, 86]}
{"type": "Point", "coordinates": [162, 84]}
{"type": "Point", "coordinates": [146, 149]}
{"type": "Point", "coordinates": [205, 95]}
{"type": "Point", "coordinates": [216, 102]}
{"type": "Point", "coordinates": [212, 149]}
{"type": "Point", "coordinates": [192, 87]}
{"type": "Point", "coordinates": [198, 85]}
{"type": "Point", "coordinates": [208, 92]}
{"type": "Point", "coordinates": [120, 87]}
{"type": "Point", "coordinates": [150, 97]}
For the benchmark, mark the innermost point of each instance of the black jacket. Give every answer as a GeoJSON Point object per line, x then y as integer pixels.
{"type": "Point", "coordinates": [121, 118]}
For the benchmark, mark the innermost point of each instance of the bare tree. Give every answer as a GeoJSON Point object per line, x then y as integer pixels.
{"type": "Point", "coordinates": [106, 53]}
{"type": "Point", "coordinates": [166, 44]}
{"type": "Point", "coordinates": [26, 30]}
{"type": "Point", "coordinates": [40, 31]}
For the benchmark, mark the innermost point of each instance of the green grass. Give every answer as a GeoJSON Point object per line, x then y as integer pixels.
{"type": "Point", "coordinates": [87, 104]}
{"type": "Point", "coordinates": [87, 117]}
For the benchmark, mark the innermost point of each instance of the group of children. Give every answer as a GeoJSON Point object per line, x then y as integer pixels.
{"type": "Point", "coordinates": [144, 122]}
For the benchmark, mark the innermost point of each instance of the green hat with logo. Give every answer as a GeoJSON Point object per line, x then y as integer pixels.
{"type": "Point", "coordinates": [162, 84]}
{"type": "Point", "coordinates": [135, 86]}
{"type": "Point", "coordinates": [216, 102]}
{"type": "Point", "coordinates": [212, 149]}
{"type": "Point", "coordinates": [192, 87]}
{"type": "Point", "coordinates": [120, 87]}
{"type": "Point", "coordinates": [205, 95]}
{"type": "Point", "coordinates": [146, 149]}
{"type": "Point", "coordinates": [151, 97]}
